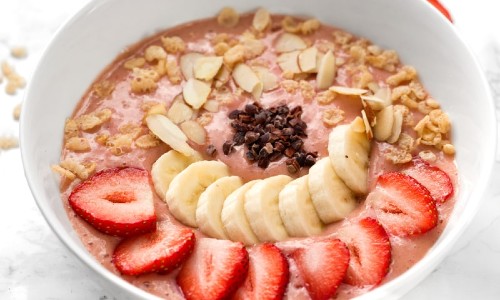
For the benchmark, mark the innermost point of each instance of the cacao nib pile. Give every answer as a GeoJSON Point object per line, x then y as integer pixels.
{"type": "Point", "coordinates": [269, 134]}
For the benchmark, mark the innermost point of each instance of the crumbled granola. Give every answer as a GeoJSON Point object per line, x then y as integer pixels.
{"type": "Point", "coordinates": [63, 172]}
{"type": "Point", "coordinates": [221, 48]}
{"type": "Point", "coordinates": [341, 37]}
{"type": "Point", "coordinates": [131, 129]}
{"type": "Point", "coordinates": [102, 138]}
{"type": "Point", "coordinates": [386, 60]}
{"type": "Point", "coordinates": [103, 88]}
{"type": "Point", "coordinates": [147, 141]}
{"type": "Point", "coordinates": [310, 26]}
{"type": "Point", "coordinates": [205, 118]}
{"type": "Point", "coordinates": [156, 109]}
{"type": "Point", "coordinates": [173, 71]}
{"type": "Point", "coordinates": [326, 97]}
{"type": "Point", "coordinates": [290, 86]}
{"type": "Point", "coordinates": [144, 80]}
{"type": "Point", "coordinates": [427, 155]}
{"type": "Point", "coordinates": [81, 170]}
{"type": "Point", "coordinates": [155, 52]}
{"type": "Point", "coordinates": [70, 129]}
{"type": "Point", "coordinates": [173, 44]}
{"type": "Point", "coordinates": [137, 62]}
{"type": "Point", "coordinates": [333, 116]}
{"type": "Point", "coordinates": [77, 144]}
{"type": "Point", "coordinates": [228, 17]}
{"type": "Point", "coordinates": [234, 55]}
{"type": "Point", "coordinates": [307, 90]}
{"type": "Point", "coordinates": [253, 48]}
{"type": "Point", "coordinates": [291, 25]}
{"type": "Point", "coordinates": [406, 74]}
{"type": "Point", "coordinates": [362, 78]}
{"type": "Point", "coordinates": [397, 155]}
{"type": "Point", "coordinates": [119, 144]}
{"type": "Point", "coordinates": [89, 122]}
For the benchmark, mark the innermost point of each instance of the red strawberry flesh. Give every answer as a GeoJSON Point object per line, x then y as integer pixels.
{"type": "Point", "coordinates": [159, 251]}
{"type": "Point", "coordinates": [322, 264]}
{"type": "Point", "coordinates": [441, 8]}
{"type": "Point", "coordinates": [370, 252]}
{"type": "Point", "coordinates": [433, 178]}
{"type": "Point", "coordinates": [116, 201]}
{"type": "Point", "coordinates": [214, 271]}
{"type": "Point", "coordinates": [402, 205]}
{"type": "Point", "coordinates": [267, 274]}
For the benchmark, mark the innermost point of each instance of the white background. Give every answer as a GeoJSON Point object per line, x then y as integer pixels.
{"type": "Point", "coordinates": [35, 265]}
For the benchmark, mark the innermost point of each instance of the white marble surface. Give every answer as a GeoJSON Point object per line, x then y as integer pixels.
{"type": "Point", "coordinates": [34, 264]}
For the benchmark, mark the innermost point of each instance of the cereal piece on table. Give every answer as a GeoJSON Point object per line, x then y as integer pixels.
{"type": "Point", "coordinates": [7, 69]}
{"type": "Point", "coordinates": [173, 44]}
{"type": "Point", "coordinates": [19, 52]}
{"type": "Point", "coordinates": [136, 62]}
{"type": "Point", "coordinates": [228, 17]}
{"type": "Point", "coordinates": [77, 144]}
{"type": "Point", "coordinates": [147, 141]}
{"type": "Point", "coordinates": [333, 116]}
{"type": "Point", "coordinates": [103, 88]}
{"type": "Point", "coordinates": [16, 113]}
{"type": "Point", "coordinates": [8, 142]}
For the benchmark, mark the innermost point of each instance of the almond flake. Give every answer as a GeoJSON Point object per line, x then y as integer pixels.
{"type": "Point", "coordinates": [211, 106]}
{"type": "Point", "coordinates": [194, 131]}
{"type": "Point", "coordinates": [196, 92]}
{"type": "Point", "coordinates": [228, 17]}
{"type": "Point", "coordinates": [169, 133]}
{"type": "Point", "coordinates": [288, 62]}
{"type": "Point", "coordinates": [268, 78]}
{"type": "Point", "coordinates": [205, 68]}
{"type": "Point", "coordinates": [187, 62]}
{"type": "Point", "coordinates": [347, 90]}
{"type": "Point", "coordinates": [308, 60]}
{"type": "Point", "coordinates": [326, 71]}
{"type": "Point", "coordinates": [179, 111]}
{"type": "Point", "coordinates": [288, 42]}
{"type": "Point", "coordinates": [385, 122]}
{"type": "Point", "coordinates": [397, 125]}
{"type": "Point", "coordinates": [246, 79]}
{"type": "Point", "coordinates": [374, 102]}
{"type": "Point", "coordinates": [261, 19]}
{"type": "Point", "coordinates": [368, 128]}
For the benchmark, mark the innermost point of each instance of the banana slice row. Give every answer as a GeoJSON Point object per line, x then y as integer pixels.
{"type": "Point", "coordinates": [203, 194]}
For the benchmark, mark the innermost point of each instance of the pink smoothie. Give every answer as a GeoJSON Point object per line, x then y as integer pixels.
{"type": "Point", "coordinates": [126, 107]}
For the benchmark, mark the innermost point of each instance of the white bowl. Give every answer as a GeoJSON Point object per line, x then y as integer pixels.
{"type": "Point", "coordinates": [102, 29]}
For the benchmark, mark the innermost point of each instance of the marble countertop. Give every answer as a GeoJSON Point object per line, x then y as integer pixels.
{"type": "Point", "coordinates": [34, 264]}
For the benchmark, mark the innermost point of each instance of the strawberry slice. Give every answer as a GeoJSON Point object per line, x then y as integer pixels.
{"type": "Point", "coordinates": [116, 201]}
{"type": "Point", "coordinates": [267, 274]}
{"type": "Point", "coordinates": [214, 271]}
{"type": "Point", "coordinates": [322, 264]}
{"type": "Point", "coordinates": [370, 252]}
{"type": "Point", "coordinates": [159, 251]}
{"type": "Point", "coordinates": [402, 205]}
{"type": "Point", "coordinates": [441, 8]}
{"type": "Point", "coordinates": [433, 178]}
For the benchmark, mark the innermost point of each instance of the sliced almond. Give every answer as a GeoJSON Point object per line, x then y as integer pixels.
{"type": "Point", "coordinates": [196, 92]}
{"type": "Point", "coordinates": [368, 128]}
{"type": "Point", "coordinates": [247, 80]}
{"type": "Point", "coordinates": [194, 131]}
{"type": "Point", "coordinates": [384, 94]}
{"type": "Point", "coordinates": [187, 62]}
{"type": "Point", "coordinates": [205, 68]}
{"type": "Point", "coordinates": [396, 126]}
{"type": "Point", "coordinates": [385, 121]}
{"type": "Point", "coordinates": [327, 71]}
{"type": "Point", "coordinates": [222, 76]}
{"type": "Point", "coordinates": [288, 42]}
{"type": "Point", "coordinates": [308, 60]}
{"type": "Point", "coordinates": [343, 90]}
{"type": "Point", "coordinates": [169, 133]}
{"type": "Point", "coordinates": [179, 111]}
{"type": "Point", "coordinates": [269, 79]}
{"type": "Point", "coordinates": [374, 102]}
{"type": "Point", "coordinates": [288, 62]}
{"type": "Point", "coordinates": [261, 19]}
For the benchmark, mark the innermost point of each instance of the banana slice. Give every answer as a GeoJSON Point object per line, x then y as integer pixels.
{"type": "Point", "coordinates": [349, 149]}
{"type": "Point", "coordinates": [167, 166]}
{"type": "Point", "coordinates": [297, 210]}
{"type": "Point", "coordinates": [261, 208]}
{"type": "Point", "coordinates": [210, 203]}
{"type": "Point", "coordinates": [234, 218]}
{"type": "Point", "coordinates": [332, 199]}
{"type": "Point", "coordinates": [185, 189]}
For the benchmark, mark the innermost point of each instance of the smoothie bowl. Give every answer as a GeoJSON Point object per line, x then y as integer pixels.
{"type": "Point", "coordinates": [206, 151]}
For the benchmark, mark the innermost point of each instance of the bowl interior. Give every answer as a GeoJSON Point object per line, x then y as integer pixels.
{"type": "Point", "coordinates": [102, 29]}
